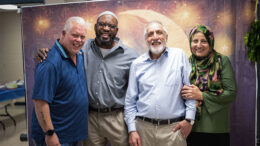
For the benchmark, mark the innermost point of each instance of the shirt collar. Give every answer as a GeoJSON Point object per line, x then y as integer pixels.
{"type": "Point", "coordinates": [118, 45]}
{"type": "Point", "coordinates": [62, 51]}
{"type": "Point", "coordinates": [148, 58]}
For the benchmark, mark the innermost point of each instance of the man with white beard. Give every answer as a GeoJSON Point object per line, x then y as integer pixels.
{"type": "Point", "coordinates": [155, 113]}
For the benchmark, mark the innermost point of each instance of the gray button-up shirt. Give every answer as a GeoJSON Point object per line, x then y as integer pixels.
{"type": "Point", "coordinates": [107, 77]}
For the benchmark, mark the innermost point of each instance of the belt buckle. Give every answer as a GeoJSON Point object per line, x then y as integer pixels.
{"type": "Point", "coordinates": [156, 122]}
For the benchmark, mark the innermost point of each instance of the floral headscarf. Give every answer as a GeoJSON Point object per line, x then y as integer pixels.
{"type": "Point", "coordinates": [208, 33]}
{"type": "Point", "coordinates": [206, 70]}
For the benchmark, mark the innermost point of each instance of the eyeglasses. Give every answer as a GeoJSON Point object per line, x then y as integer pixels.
{"type": "Point", "coordinates": [102, 24]}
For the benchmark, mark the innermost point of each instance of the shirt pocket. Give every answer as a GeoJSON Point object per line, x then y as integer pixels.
{"type": "Point", "coordinates": [119, 76]}
{"type": "Point", "coordinates": [173, 78]}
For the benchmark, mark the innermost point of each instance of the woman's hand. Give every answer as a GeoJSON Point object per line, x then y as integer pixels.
{"type": "Point", "coordinates": [191, 92]}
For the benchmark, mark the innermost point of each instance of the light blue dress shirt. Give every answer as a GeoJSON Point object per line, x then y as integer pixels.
{"type": "Point", "coordinates": [155, 85]}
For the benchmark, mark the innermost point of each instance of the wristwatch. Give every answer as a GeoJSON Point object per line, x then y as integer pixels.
{"type": "Point", "coordinates": [49, 132]}
{"type": "Point", "coordinates": [190, 121]}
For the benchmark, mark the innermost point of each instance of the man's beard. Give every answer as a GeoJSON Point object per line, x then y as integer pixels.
{"type": "Point", "coordinates": [158, 49]}
{"type": "Point", "coordinates": [107, 42]}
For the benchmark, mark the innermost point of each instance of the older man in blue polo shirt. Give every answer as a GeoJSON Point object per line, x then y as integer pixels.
{"type": "Point", "coordinates": [60, 95]}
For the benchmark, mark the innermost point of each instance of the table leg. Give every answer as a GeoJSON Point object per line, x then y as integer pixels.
{"type": "Point", "coordinates": [7, 114]}
{"type": "Point", "coordinates": [6, 111]}
{"type": "Point", "coordinates": [2, 125]}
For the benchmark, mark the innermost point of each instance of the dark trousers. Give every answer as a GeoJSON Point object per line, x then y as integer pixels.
{"type": "Point", "coordinates": [208, 139]}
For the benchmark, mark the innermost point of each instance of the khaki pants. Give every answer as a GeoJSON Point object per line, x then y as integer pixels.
{"type": "Point", "coordinates": [103, 127]}
{"type": "Point", "coordinates": [162, 135]}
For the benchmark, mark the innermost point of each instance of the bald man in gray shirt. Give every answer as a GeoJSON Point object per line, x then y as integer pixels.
{"type": "Point", "coordinates": [107, 63]}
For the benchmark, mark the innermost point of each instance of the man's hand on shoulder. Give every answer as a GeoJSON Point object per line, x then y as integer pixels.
{"type": "Point", "coordinates": [134, 139]}
{"type": "Point", "coordinates": [185, 128]}
{"type": "Point", "coordinates": [41, 54]}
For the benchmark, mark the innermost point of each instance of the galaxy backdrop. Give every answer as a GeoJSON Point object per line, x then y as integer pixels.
{"type": "Point", "coordinates": [229, 20]}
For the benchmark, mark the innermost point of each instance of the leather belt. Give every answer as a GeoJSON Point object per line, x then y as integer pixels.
{"type": "Point", "coordinates": [161, 122]}
{"type": "Point", "coordinates": [105, 110]}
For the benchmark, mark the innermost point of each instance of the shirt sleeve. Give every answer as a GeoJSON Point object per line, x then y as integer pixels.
{"type": "Point", "coordinates": [45, 82]}
{"type": "Point", "coordinates": [131, 99]}
{"type": "Point", "coordinates": [215, 103]}
{"type": "Point", "coordinates": [190, 104]}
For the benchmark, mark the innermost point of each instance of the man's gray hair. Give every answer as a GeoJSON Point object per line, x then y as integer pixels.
{"type": "Point", "coordinates": [68, 24]}
{"type": "Point", "coordinates": [156, 22]}
{"type": "Point", "coordinates": [107, 13]}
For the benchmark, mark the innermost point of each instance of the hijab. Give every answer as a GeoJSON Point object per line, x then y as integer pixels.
{"type": "Point", "coordinates": [206, 70]}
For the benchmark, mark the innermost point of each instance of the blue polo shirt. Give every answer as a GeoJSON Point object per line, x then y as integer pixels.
{"type": "Point", "coordinates": [63, 85]}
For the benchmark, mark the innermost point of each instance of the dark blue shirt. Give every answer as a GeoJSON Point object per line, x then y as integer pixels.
{"type": "Point", "coordinates": [63, 85]}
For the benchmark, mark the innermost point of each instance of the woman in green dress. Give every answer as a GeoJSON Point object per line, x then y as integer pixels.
{"type": "Point", "coordinates": [213, 85]}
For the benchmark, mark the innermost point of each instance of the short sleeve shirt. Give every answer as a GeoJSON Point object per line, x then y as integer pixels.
{"type": "Point", "coordinates": [62, 84]}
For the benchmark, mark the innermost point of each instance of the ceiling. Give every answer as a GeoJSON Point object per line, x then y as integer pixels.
{"type": "Point", "coordinates": [46, 2]}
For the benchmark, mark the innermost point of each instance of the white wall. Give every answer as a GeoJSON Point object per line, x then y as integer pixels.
{"type": "Point", "coordinates": [11, 55]}
{"type": "Point", "coordinates": [11, 59]}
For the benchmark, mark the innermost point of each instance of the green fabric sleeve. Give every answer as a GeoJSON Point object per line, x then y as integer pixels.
{"type": "Point", "coordinates": [215, 103]}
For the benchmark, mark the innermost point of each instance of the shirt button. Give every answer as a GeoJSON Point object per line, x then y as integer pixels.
{"type": "Point", "coordinates": [100, 71]}
{"type": "Point", "coordinates": [96, 93]}
{"type": "Point", "coordinates": [98, 82]}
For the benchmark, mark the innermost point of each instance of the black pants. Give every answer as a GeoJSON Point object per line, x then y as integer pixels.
{"type": "Point", "coordinates": [208, 139]}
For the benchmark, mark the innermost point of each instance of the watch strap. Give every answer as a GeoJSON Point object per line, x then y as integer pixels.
{"type": "Point", "coordinates": [190, 121]}
{"type": "Point", "coordinates": [49, 132]}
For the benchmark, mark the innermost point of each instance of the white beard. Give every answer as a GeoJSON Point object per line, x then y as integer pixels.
{"type": "Point", "coordinates": [157, 50]}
